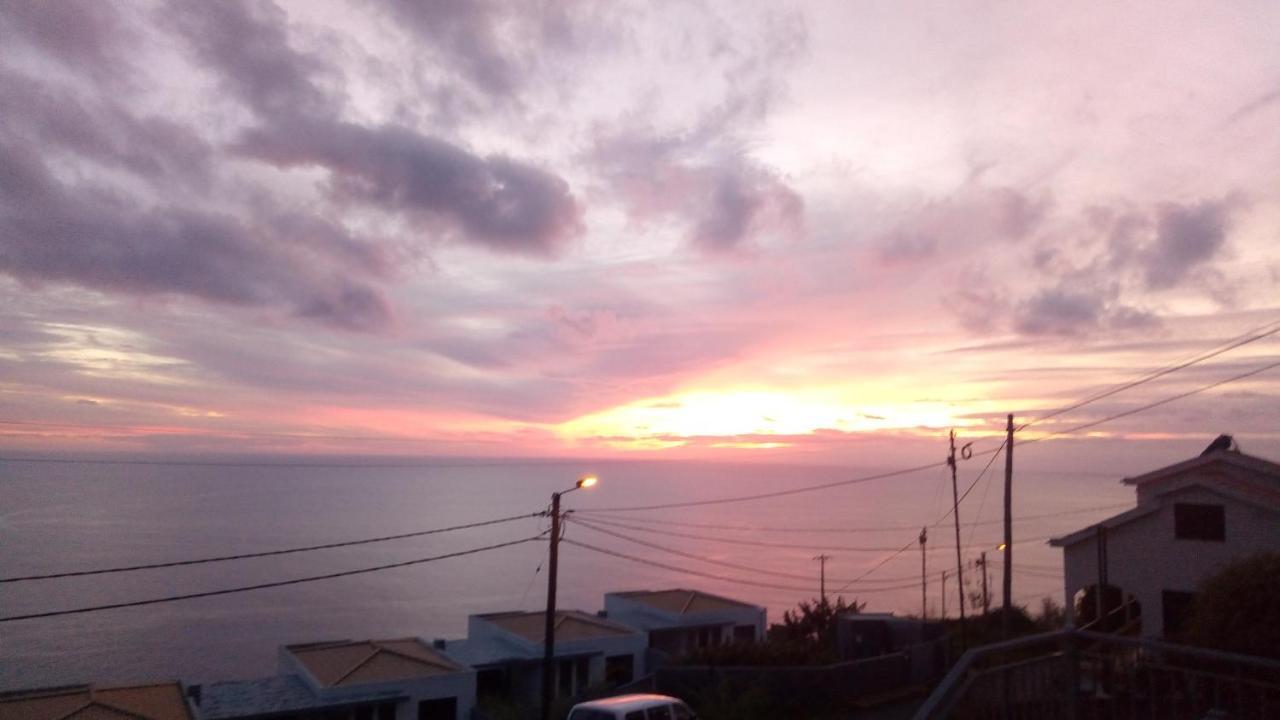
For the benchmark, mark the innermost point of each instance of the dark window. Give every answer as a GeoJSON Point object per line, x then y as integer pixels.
{"type": "Point", "coordinates": [1176, 609]}
{"type": "Point", "coordinates": [657, 713]}
{"type": "Point", "coordinates": [682, 712]}
{"type": "Point", "coordinates": [619, 669]}
{"type": "Point", "coordinates": [387, 711]}
{"type": "Point", "coordinates": [441, 709]}
{"type": "Point", "coordinates": [637, 715]}
{"type": "Point", "coordinates": [1199, 522]}
{"type": "Point", "coordinates": [744, 633]}
{"type": "Point", "coordinates": [491, 682]}
{"type": "Point", "coordinates": [708, 636]}
{"type": "Point", "coordinates": [565, 678]}
{"type": "Point", "coordinates": [364, 712]}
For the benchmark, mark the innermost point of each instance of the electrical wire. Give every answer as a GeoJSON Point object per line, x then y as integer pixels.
{"type": "Point", "coordinates": [1149, 406]}
{"type": "Point", "coordinates": [307, 465]}
{"type": "Point", "coordinates": [713, 561]}
{"type": "Point", "coordinates": [263, 586]}
{"type": "Point", "coordinates": [268, 553]}
{"type": "Point", "coordinates": [712, 576]}
{"type": "Point", "coordinates": [864, 529]}
{"type": "Point", "coordinates": [1251, 336]}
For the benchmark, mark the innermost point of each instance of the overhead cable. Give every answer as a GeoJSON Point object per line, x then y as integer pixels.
{"type": "Point", "coordinates": [268, 553]}
{"type": "Point", "coordinates": [263, 586]}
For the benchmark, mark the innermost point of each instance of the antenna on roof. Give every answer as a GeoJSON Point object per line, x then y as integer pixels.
{"type": "Point", "coordinates": [1222, 443]}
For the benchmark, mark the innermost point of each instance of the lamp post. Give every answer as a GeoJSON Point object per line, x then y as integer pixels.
{"type": "Point", "coordinates": [549, 632]}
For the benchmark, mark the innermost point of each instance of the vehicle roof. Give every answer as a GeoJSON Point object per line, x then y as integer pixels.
{"type": "Point", "coordinates": [639, 701]}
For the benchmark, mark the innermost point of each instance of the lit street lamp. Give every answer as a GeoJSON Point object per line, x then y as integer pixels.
{"type": "Point", "coordinates": [549, 634]}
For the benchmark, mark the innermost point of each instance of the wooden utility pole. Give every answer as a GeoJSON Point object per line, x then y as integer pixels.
{"type": "Point", "coordinates": [986, 599]}
{"type": "Point", "coordinates": [549, 629]}
{"type": "Point", "coordinates": [955, 515]}
{"type": "Point", "coordinates": [944, 594]}
{"type": "Point", "coordinates": [1007, 597]}
{"type": "Point", "coordinates": [924, 575]}
{"type": "Point", "coordinates": [1100, 539]}
{"type": "Point", "coordinates": [822, 583]}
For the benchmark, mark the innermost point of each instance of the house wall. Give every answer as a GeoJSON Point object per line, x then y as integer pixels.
{"type": "Point", "coordinates": [1145, 559]}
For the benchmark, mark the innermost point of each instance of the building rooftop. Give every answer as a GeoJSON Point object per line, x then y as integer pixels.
{"type": "Point", "coordinates": [162, 701]}
{"type": "Point", "coordinates": [570, 625]}
{"type": "Point", "coordinates": [352, 663]}
{"type": "Point", "coordinates": [683, 602]}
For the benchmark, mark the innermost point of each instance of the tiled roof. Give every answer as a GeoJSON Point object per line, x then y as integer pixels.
{"type": "Point", "coordinates": [351, 663]}
{"type": "Point", "coordinates": [684, 602]}
{"type": "Point", "coordinates": [84, 702]}
{"type": "Point", "coordinates": [570, 625]}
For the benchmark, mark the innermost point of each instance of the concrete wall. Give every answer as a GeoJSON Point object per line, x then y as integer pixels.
{"type": "Point", "coordinates": [1145, 559]}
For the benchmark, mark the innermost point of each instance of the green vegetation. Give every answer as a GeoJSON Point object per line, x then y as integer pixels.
{"type": "Point", "coordinates": [806, 636]}
{"type": "Point", "coordinates": [1237, 609]}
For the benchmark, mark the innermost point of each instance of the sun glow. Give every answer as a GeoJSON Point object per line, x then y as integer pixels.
{"type": "Point", "coordinates": [748, 418]}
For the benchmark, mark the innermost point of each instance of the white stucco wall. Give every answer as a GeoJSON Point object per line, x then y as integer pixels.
{"type": "Point", "coordinates": [1145, 559]}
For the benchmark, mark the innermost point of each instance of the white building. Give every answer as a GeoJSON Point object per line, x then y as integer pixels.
{"type": "Point", "coordinates": [402, 679]}
{"type": "Point", "coordinates": [678, 621]}
{"type": "Point", "coordinates": [1191, 519]}
{"type": "Point", "coordinates": [506, 650]}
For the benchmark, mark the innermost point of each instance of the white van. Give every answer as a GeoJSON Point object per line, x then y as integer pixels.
{"type": "Point", "coordinates": [633, 707]}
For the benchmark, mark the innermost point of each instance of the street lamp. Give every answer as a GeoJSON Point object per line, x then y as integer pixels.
{"type": "Point", "coordinates": [549, 633]}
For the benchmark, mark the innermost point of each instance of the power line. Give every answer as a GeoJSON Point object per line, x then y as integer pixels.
{"type": "Point", "coordinates": [1156, 404]}
{"type": "Point", "coordinates": [879, 565]}
{"type": "Point", "coordinates": [264, 586]}
{"type": "Point", "coordinates": [712, 576]}
{"type": "Point", "coordinates": [245, 556]}
{"type": "Point", "coordinates": [307, 465]}
{"type": "Point", "coordinates": [863, 529]}
{"type": "Point", "coordinates": [692, 556]}
{"type": "Point", "coordinates": [765, 496]}
{"type": "Point", "coordinates": [1251, 336]}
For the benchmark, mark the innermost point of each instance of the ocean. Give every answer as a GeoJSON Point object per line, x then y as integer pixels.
{"type": "Point", "coordinates": [57, 517]}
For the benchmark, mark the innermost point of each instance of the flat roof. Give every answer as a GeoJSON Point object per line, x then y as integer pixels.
{"type": "Point", "coordinates": [351, 663]}
{"type": "Point", "coordinates": [160, 701]}
{"type": "Point", "coordinates": [570, 625]}
{"type": "Point", "coordinates": [681, 601]}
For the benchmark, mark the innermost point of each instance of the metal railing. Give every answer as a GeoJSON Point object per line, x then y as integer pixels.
{"type": "Point", "coordinates": [1081, 675]}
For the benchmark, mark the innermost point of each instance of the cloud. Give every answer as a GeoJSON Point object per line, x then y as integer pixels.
{"type": "Point", "coordinates": [494, 201]}
{"type": "Point", "coordinates": [82, 35]}
{"type": "Point", "coordinates": [103, 241]}
{"type": "Point", "coordinates": [1186, 237]}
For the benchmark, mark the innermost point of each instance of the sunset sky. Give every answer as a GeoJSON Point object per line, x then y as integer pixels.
{"type": "Point", "coordinates": [652, 229]}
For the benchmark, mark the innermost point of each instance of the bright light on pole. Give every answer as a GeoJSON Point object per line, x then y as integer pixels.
{"type": "Point", "coordinates": [549, 631]}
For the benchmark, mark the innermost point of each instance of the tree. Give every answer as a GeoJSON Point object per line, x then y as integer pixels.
{"type": "Point", "coordinates": [813, 622]}
{"type": "Point", "coordinates": [1236, 608]}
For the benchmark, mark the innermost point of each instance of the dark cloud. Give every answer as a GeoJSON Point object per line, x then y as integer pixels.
{"type": "Point", "coordinates": [1058, 312]}
{"type": "Point", "coordinates": [99, 240]}
{"type": "Point", "coordinates": [247, 40]}
{"type": "Point", "coordinates": [83, 35]}
{"type": "Point", "coordinates": [495, 201]}
{"type": "Point", "coordinates": [722, 201]}
{"type": "Point", "coordinates": [1186, 237]}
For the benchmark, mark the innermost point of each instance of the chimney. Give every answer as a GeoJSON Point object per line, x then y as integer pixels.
{"type": "Point", "coordinates": [438, 643]}
{"type": "Point", "coordinates": [194, 694]}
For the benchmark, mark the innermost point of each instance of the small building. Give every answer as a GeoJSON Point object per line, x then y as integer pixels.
{"type": "Point", "coordinates": [401, 679]}
{"type": "Point", "coordinates": [506, 649]}
{"type": "Point", "coordinates": [87, 702]}
{"type": "Point", "coordinates": [1191, 519]}
{"type": "Point", "coordinates": [680, 620]}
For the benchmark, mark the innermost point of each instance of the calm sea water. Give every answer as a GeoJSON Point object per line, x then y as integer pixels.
{"type": "Point", "coordinates": [56, 517]}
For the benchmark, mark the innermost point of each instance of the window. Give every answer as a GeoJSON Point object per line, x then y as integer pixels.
{"type": "Point", "coordinates": [1176, 608]}
{"type": "Point", "coordinates": [572, 676]}
{"type": "Point", "coordinates": [707, 636]}
{"type": "Point", "coordinates": [637, 715]}
{"type": "Point", "coordinates": [744, 633]}
{"type": "Point", "coordinates": [1199, 522]}
{"type": "Point", "coordinates": [440, 709]}
{"type": "Point", "coordinates": [682, 712]}
{"type": "Point", "coordinates": [364, 712]}
{"type": "Point", "coordinates": [619, 669]}
{"type": "Point", "coordinates": [657, 713]}
{"type": "Point", "coordinates": [387, 711]}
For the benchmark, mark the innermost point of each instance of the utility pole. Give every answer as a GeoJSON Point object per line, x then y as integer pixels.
{"type": "Point", "coordinates": [549, 626]}
{"type": "Point", "coordinates": [986, 599]}
{"type": "Point", "coordinates": [1007, 547]}
{"type": "Point", "coordinates": [924, 575]}
{"type": "Point", "coordinates": [822, 583]}
{"type": "Point", "coordinates": [944, 594]}
{"type": "Point", "coordinates": [1100, 539]}
{"type": "Point", "coordinates": [955, 515]}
